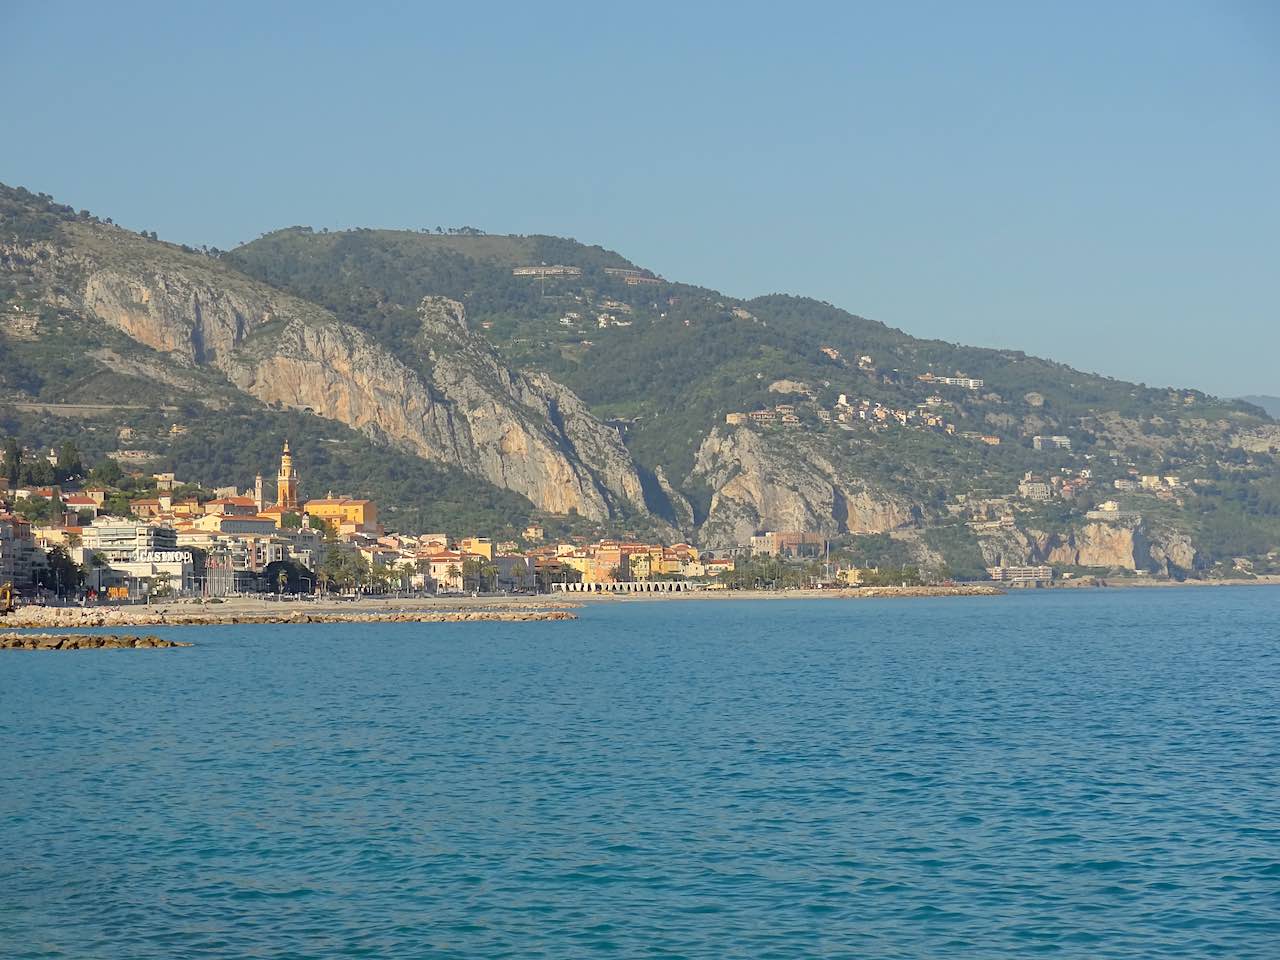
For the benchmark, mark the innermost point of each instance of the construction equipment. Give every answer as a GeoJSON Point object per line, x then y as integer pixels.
{"type": "Point", "coordinates": [6, 598]}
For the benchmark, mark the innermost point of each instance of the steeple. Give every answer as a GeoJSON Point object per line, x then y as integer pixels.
{"type": "Point", "coordinates": [287, 481]}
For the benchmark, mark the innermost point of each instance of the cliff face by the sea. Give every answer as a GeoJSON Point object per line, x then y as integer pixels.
{"type": "Point", "coordinates": [521, 432]}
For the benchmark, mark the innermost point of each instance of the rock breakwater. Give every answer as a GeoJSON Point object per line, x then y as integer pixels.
{"type": "Point", "coordinates": [83, 641]}
{"type": "Point", "coordinates": [144, 616]}
{"type": "Point", "coordinates": [958, 590]}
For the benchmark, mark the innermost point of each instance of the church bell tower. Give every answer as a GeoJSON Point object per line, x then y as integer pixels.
{"type": "Point", "coordinates": [287, 481]}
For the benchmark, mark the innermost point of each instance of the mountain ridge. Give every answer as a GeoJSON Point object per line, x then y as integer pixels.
{"type": "Point", "coordinates": [610, 393]}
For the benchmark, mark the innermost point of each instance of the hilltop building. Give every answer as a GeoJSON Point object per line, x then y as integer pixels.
{"type": "Point", "coordinates": [1051, 443]}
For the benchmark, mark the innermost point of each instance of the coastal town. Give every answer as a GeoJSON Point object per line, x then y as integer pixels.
{"type": "Point", "coordinates": [86, 541]}
{"type": "Point", "coordinates": [175, 543]}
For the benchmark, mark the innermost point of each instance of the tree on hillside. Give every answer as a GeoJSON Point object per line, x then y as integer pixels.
{"type": "Point", "coordinates": [13, 461]}
{"type": "Point", "coordinates": [116, 505]}
{"type": "Point", "coordinates": [69, 464]}
{"type": "Point", "coordinates": [38, 472]}
{"type": "Point", "coordinates": [106, 473]}
{"type": "Point", "coordinates": [40, 509]}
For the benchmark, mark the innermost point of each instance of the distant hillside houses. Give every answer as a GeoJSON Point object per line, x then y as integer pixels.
{"type": "Point", "coordinates": [989, 439]}
{"type": "Point", "coordinates": [1033, 487]}
{"type": "Point", "coordinates": [1051, 443]}
{"type": "Point", "coordinates": [632, 276]}
{"type": "Point", "coordinates": [969, 383]}
{"type": "Point", "coordinates": [545, 270]}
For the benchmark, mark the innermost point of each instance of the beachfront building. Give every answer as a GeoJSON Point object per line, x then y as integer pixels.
{"type": "Point", "coordinates": [1024, 575]}
{"type": "Point", "coordinates": [792, 543]}
{"type": "Point", "coordinates": [17, 550]}
{"type": "Point", "coordinates": [138, 558]}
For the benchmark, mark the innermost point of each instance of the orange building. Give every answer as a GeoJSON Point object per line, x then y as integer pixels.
{"type": "Point", "coordinates": [346, 514]}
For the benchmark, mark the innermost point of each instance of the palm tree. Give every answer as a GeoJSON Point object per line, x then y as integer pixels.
{"type": "Point", "coordinates": [471, 572]}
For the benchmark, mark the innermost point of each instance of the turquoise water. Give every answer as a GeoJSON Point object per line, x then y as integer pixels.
{"type": "Point", "coordinates": [1092, 774]}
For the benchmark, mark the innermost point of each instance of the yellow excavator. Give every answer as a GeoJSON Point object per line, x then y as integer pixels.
{"type": "Point", "coordinates": [6, 598]}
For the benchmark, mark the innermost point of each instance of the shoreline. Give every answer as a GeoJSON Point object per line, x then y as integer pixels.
{"type": "Point", "coordinates": [843, 593]}
{"type": "Point", "coordinates": [514, 609]}
{"type": "Point", "coordinates": [1144, 583]}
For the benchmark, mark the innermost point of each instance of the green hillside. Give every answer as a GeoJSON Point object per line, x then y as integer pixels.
{"type": "Point", "coordinates": [663, 362]}
{"type": "Point", "coordinates": [677, 358]}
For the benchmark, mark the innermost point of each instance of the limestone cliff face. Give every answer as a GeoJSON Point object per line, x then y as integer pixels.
{"type": "Point", "coordinates": [521, 424]}
{"type": "Point", "coordinates": [760, 483]}
{"type": "Point", "coordinates": [681, 507]}
{"type": "Point", "coordinates": [525, 433]}
{"type": "Point", "coordinates": [1098, 545]}
{"type": "Point", "coordinates": [1124, 546]}
{"type": "Point", "coordinates": [176, 314]}
{"type": "Point", "coordinates": [1174, 554]}
{"type": "Point", "coordinates": [1006, 547]}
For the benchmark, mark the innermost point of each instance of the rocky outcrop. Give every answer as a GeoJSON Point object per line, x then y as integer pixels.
{"type": "Point", "coordinates": [83, 641]}
{"type": "Point", "coordinates": [1175, 555]}
{"type": "Point", "coordinates": [177, 314]}
{"type": "Point", "coordinates": [1109, 545]}
{"type": "Point", "coordinates": [528, 434]}
{"type": "Point", "coordinates": [681, 507]}
{"type": "Point", "coordinates": [761, 482]}
{"type": "Point", "coordinates": [1006, 546]}
{"type": "Point", "coordinates": [1098, 545]}
{"type": "Point", "coordinates": [519, 422]}
{"type": "Point", "coordinates": [461, 406]}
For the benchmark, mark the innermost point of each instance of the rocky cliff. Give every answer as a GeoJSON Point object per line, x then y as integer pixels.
{"type": "Point", "coordinates": [522, 432]}
{"type": "Point", "coordinates": [1104, 545]}
{"type": "Point", "coordinates": [760, 483]}
{"type": "Point", "coordinates": [1121, 546]}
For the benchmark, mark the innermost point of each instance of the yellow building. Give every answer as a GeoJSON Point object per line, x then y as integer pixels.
{"type": "Point", "coordinates": [481, 546]}
{"type": "Point", "coordinates": [345, 513]}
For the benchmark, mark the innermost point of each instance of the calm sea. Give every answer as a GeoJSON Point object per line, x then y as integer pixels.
{"type": "Point", "coordinates": [1091, 774]}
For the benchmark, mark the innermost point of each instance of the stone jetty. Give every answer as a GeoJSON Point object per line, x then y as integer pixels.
{"type": "Point", "coordinates": [73, 617]}
{"type": "Point", "coordinates": [83, 641]}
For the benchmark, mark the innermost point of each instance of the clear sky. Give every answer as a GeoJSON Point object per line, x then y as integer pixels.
{"type": "Point", "coordinates": [1094, 182]}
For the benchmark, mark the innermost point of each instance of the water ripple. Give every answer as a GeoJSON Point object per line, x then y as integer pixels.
{"type": "Point", "coordinates": [1069, 774]}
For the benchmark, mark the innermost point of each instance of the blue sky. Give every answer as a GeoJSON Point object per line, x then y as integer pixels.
{"type": "Point", "coordinates": [1094, 182]}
